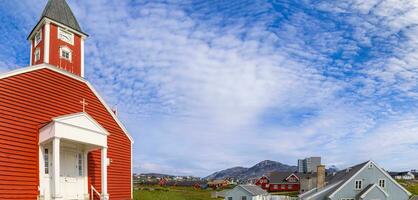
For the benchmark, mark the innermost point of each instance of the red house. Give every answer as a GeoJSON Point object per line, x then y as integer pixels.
{"type": "Point", "coordinates": [58, 138]}
{"type": "Point", "coordinates": [280, 182]}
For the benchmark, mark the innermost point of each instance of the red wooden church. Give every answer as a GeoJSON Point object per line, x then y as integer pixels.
{"type": "Point", "coordinates": [58, 138]}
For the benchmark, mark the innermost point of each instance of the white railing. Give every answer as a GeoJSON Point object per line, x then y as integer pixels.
{"type": "Point", "coordinates": [94, 191]}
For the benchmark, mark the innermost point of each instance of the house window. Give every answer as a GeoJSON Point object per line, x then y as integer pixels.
{"type": "Point", "coordinates": [66, 36]}
{"type": "Point", "coordinates": [46, 161]}
{"type": "Point", "coordinates": [283, 187]}
{"type": "Point", "coordinates": [358, 184]}
{"type": "Point", "coordinates": [229, 198]}
{"type": "Point", "coordinates": [382, 183]}
{"type": "Point", "coordinates": [37, 55]}
{"type": "Point", "coordinates": [290, 187]}
{"type": "Point", "coordinates": [65, 53]}
{"type": "Point", "coordinates": [370, 165]}
{"type": "Point", "coordinates": [80, 164]}
{"type": "Point", "coordinates": [243, 198]}
{"type": "Point", "coordinates": [38, 38]}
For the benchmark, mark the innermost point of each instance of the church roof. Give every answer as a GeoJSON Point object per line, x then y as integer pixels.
{"type": "Point", "coordinates": [59, 11]}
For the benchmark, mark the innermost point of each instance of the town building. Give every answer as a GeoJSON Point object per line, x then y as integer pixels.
{"type": "Point", "coordinates": [364, 181]}
{"type": "Point", "coordinates": [280, 182]}
{"type": "Point", "coordinates": [308, 165]}
{"type": "Point", "coordinates": [58, 137]}
{"type": "Point", "coordinates": [247, 192]}
{"type": "Point", "coordinates": [217, 184]}
{"type": "Point", "coordinates": [403, 175]}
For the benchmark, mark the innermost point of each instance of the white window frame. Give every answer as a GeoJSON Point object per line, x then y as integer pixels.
{"type": "Point", "coordinates": [37, 55]}
{"type": "Point", "coordinates": [358, 184]}
{"type": "Point", "coordinates": [71, 35]}
{"type": "Point", "coordinates": [381, 181]}
{"type": "Point", "coordinates": [70, 53]}
{"type": "Point", "coordinates": [38, 37]}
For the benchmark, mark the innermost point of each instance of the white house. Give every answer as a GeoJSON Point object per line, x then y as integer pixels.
{"type": "Point", "coordinates": [247, 192]}
{"type": "Point", "coordinates": [403, 175]}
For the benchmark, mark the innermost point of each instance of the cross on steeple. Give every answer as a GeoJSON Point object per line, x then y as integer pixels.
{"type": "Point", "coordinates": [84, 103]}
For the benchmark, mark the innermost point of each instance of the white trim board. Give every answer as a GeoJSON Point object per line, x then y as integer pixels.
{"type": "Point", "coordinates": [78, 78]}
{"type": "Point", "coordinates": [371, 188]}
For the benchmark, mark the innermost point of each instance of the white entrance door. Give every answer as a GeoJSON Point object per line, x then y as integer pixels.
{"type": "Point", "coordinates": [72, 174]}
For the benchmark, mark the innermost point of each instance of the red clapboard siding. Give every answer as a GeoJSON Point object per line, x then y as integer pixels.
{"type": "Point", "coordinates": [29, 100]}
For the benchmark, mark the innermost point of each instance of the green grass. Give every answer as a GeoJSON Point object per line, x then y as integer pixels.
{"type": "Point", "coordinates": [172, 193]}
{"type": "Point", "coordinates": [411, 186]}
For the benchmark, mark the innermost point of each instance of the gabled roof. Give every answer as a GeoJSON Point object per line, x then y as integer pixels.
{"type": "Point", "coordinates": [253, 190]}
{"type": "Point", "coordinates": [338, 180]}
{"type": "Point", "coordinates": [73, 76]}
{"type": "Point", "coordinates": [370, 188]}
{"type": "Point", "coordinates": [59, 11]}
{"type": "Point", "coordinates": [280, 177]}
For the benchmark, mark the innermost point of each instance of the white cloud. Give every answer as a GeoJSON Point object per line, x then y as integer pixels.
{"type": "Point", "coordinates": [199, 97]}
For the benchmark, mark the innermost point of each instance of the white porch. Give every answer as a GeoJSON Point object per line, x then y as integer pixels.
{"type": "Point", "coordinates": [64, 144]}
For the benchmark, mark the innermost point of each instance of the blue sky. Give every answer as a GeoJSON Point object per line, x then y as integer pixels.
{"type": "Point", "coordinates": [207, 85]}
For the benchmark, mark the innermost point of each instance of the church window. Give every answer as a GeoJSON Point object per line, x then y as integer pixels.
{"type": "Point", "coordinates": [37, 54]}
{"type": "Point", "coordinates": [66, 36]}
{"type": "Point", "coordinates": [46, 161]}
{"type": "Point", "coordinates": [65, 53]}
{"type": "Point", "coordinates": [80, 164]}
{"type": "Point", "coordinates": [38, 38]}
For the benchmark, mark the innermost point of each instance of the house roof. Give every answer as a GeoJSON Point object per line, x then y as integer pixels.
{"type": "Point", "coordinates": [335, 180]}
{"type": "Point", "coordinates": [370, 188]}
{"type": "Point", "coordinates": [254, 190]}
{"type": "Point", "coordinates": [279, 177]}
{"type": "Point", "coordinates": [73, 76]}
{"type": "Point", "coordinates": [59, 11]}
{"type": "Point", "coordinates": [338, 180]}
{"type": "Point", "coordinates": [400, 173]}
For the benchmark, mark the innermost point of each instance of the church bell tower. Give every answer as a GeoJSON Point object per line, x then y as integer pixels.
{"type": "Point", "coordinates": [57, 39]}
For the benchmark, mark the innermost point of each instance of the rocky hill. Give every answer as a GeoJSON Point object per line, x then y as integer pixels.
{"type": "Point", "coordinates": [257, 170]}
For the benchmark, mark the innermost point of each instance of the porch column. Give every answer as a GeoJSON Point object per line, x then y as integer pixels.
{"type": "Point", "coordinates": [105, 195]}
{"type": "Point", "coordinates": [56, 168]}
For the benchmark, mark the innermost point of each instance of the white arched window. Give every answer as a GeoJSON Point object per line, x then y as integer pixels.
{"type": "Point", "coordinates": [65, 53]}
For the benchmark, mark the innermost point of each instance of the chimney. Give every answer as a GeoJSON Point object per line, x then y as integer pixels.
{"type": "Point", "coordinates": [320, 179]}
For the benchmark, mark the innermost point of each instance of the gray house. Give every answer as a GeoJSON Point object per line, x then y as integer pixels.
{"type": "Point", "coordinates": [365, 181]}
{"type": "Point", "coordinates": [247, 192]}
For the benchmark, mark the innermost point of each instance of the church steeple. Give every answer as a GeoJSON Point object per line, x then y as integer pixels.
{"type": "Point", "coordinates": [58, 39]}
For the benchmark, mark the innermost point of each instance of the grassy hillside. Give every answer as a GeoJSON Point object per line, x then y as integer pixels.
{"type": "Point", "coordinates": [171, 193]}
{"type": "Point", "coordinates": [411, 186]}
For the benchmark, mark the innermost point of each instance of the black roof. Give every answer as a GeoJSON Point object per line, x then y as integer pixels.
{"type": "Point", "coordinates": [335, 180]}
{"type": "Point", "coordinates": [58, 10]}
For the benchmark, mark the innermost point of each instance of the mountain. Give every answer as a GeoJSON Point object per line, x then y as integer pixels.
{"type": "Point", "coordinates": [227, 173]}
{"type": "Point", "coordinates": [257, 170]}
